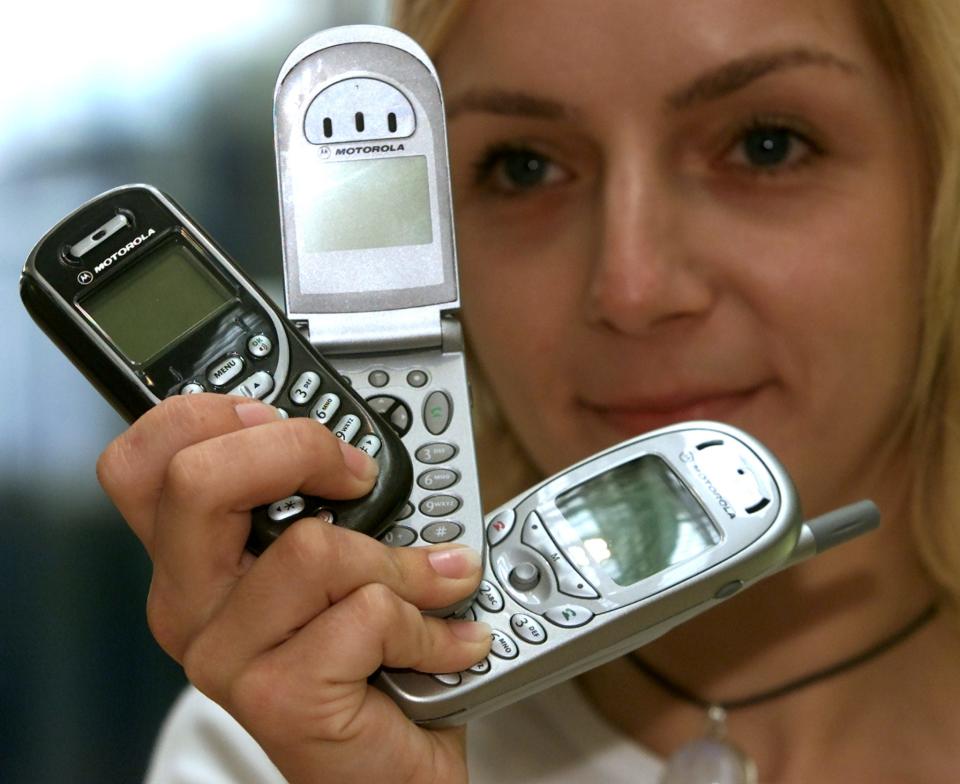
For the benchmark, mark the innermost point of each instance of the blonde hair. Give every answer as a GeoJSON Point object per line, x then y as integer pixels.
{"type": "Point", "coordinates": [919, 42]}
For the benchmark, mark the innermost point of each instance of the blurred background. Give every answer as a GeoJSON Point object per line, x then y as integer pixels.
{"type": "Point", "coordinates": [98, 94]}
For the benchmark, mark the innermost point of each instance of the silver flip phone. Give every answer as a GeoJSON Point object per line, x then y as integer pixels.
{"type": "Point", "coordinates": [369, 262]}
{"type": "Point", "coordinates": [613, 552]}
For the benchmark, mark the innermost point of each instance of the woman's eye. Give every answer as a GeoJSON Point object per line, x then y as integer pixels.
{"type": "Point", "coordinates": [770, 147]}
{"type": "Point", "coordinates": [516, 170]}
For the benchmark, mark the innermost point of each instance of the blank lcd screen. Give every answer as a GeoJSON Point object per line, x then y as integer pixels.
{"type": "Point", "coordinates": [638, 519]}
{"type": "Point", "coordinates": [363, 204]}
{"type": "Point", "coordinates": [160, 299]}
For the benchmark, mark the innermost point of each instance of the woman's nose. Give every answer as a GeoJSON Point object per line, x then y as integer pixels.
{"type": "Point", "coordinates": [645, 272]}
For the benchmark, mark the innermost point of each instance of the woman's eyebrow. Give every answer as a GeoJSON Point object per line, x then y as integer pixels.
{"type": "Point", "coordinates": [509, 103]}
{"type": "Point", "coordinates": [737, 74]}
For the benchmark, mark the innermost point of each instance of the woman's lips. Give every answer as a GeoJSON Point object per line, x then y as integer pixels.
{"type": "Point", "coordinates": [633, 417]}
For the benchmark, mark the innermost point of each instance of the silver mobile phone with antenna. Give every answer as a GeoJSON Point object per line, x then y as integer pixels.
{"type": "Point", "coordinates": [370, 269]}
{"type": "Point", "coordinates": [615, 551]}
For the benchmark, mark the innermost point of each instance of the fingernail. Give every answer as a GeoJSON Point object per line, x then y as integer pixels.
{"type": "Point", "coordinates": [251, 414]}
{"type": "Point", "coordinates": [469, 631]}
{"type": "Point", "coordinates": [358, 462]}
{"type": "Point", "coordinates": [454, 562]}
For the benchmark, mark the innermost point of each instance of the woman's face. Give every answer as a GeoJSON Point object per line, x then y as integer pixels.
{"type": "Point", "coordinates": [701, 210]}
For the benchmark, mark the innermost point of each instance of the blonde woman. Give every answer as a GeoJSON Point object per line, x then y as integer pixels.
{"type": "Point", "coordinates": [743, 210]}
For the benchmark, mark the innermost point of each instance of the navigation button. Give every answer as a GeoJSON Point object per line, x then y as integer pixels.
{"type": "Point", "coordinates": [259, 346]}
{"type": "Point", "coordinates": [258, 386]}
{"type": "Point", "coordinates": [524, 576]}
{"type": "Point", "coordinates": [225, 371]}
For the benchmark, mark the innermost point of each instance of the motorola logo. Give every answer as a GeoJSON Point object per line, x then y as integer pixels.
{"type": "Point", "coordinates": [85, 278]}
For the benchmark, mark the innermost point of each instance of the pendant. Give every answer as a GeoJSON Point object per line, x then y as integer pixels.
{"type": "Point", "coordinates": [711, 759]}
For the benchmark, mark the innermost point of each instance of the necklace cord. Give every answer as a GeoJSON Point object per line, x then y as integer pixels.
{"type": "Point", "coordinates": [682, 693]}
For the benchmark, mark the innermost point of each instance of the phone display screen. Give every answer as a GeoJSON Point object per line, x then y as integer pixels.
{"type": "Point", "coordinates": [161, 298]}
{"type": "Point", "coordinates": [363, 204]}
{"type": "Point", "coordinates": [347, 210]}
{"type": "Point", "coordinates": [638, 519]}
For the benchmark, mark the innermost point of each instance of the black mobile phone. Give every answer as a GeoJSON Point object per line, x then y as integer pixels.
{"type": "Point", "coordinates": [147, 306]}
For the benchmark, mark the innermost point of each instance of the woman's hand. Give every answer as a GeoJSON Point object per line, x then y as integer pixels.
{"type": "Point", "coordinates": [285, 642]}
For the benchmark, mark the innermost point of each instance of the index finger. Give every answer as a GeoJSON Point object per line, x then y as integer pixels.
{"type": "Point", "coordinates": [132, 468]}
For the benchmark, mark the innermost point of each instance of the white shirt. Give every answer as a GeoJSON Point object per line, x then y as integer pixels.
{"type": "Point", "coordinates": [554, 737]}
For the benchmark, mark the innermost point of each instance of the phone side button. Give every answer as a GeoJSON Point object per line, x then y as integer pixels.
{"type": "Point", "coordinates": [502, 645]}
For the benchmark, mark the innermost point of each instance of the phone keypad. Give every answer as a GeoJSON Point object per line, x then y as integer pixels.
{"type": "Point", "coordinates": [286, 508]}
{"type": "Point", "coordinates": [414, 402]}
{"type": "Point", "coordinates": [437, 452]}
{"type": "Point", "coordinates": [489, 597]}
{"type": "Point", "coordinates": [326, 407]}
{"type": "Point", "coordinates": [438, 479]}
{"type": "Point", "coordinates": [304, 388]}
{"type": "Point", "coordinates": [347, 428]}
{"type": "Point", "coordinates": [399, 536]}
{"type": "Point", "coordinates": [503, 645]}
{"type": "Point", "coordinates": [370, 444]}
{"type": "Point", "coordinates": [528, 628]}
{"type": "Point", "coordinates": [436, 533]}
{"type": "Point", "coordinates": [439, 505]}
